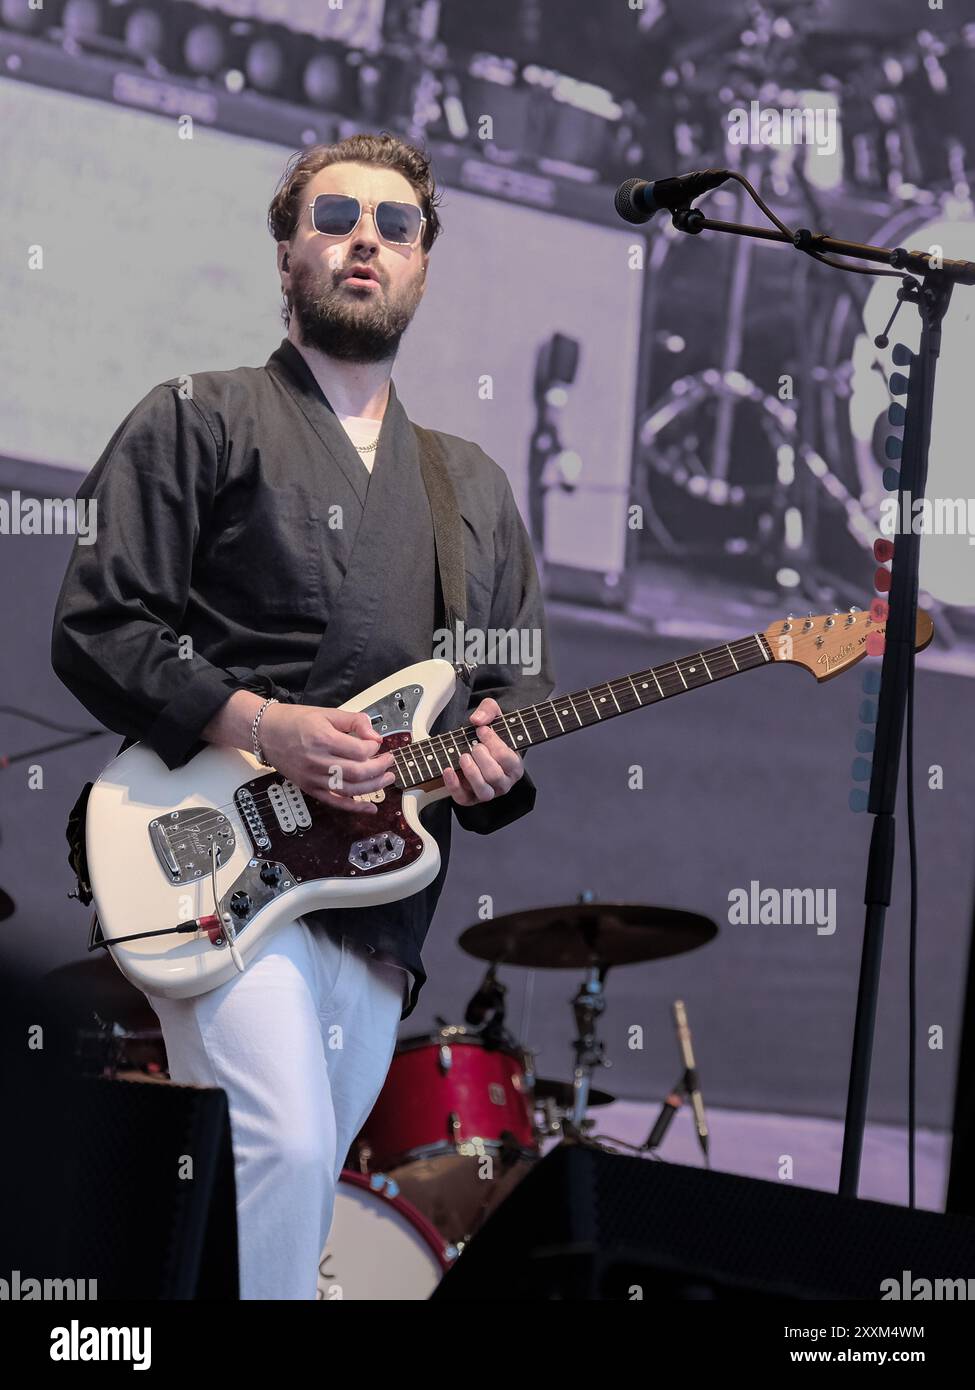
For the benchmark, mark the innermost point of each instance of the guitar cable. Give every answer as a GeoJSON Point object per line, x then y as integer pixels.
{"type": "Point", "coordinates": [229, 933]}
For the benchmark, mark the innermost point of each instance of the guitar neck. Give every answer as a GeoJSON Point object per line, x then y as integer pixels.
{"type": "Point", "coordinates": [419, 762]}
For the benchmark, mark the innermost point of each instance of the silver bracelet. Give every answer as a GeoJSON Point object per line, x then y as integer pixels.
{"type": "Point", "coordinates": [255, 745]}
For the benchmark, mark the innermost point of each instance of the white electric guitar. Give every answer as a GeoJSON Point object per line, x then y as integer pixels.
{"type": "Point", "coordinates": [190, 869]}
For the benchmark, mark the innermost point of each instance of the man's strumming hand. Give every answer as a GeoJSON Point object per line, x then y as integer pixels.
{"type": "Point", "coordinates": [329, 753]}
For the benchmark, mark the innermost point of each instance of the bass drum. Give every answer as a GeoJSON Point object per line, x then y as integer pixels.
{"type": "Point", "coordinates": [379, 1247]}
{"type": "Point", "coordinates": [853, 395]}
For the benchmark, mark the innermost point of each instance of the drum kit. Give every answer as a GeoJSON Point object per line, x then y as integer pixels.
{"type": "Point", "coordinates": [462, 1116]}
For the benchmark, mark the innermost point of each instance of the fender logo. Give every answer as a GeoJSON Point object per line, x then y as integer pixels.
{"type": "Point", "coordinates": [841, 654]}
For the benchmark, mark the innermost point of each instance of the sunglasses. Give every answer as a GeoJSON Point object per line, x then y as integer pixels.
{"type": "Point", "coordinates": [335, 214]}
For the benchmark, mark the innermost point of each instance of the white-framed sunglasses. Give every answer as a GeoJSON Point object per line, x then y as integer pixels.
{"type": "Point", "coordinates": [338, 214]}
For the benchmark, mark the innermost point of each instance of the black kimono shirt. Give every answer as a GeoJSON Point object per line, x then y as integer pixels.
{"type": "Point", "coordinates": [242, 544]}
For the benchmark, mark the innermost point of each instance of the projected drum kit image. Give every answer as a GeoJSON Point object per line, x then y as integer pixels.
{"type": "Point", "coordinates": [730, 473]}
{"type": "Point", "coordinates": [462, 1116]}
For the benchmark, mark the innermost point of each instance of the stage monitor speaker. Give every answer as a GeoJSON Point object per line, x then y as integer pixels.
{"type": "Point", "coordinates": [150, 1206]}
{"type": "Point", "coordinates": [585, 1224]}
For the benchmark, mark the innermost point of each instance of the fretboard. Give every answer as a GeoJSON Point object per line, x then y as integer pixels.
{"type": "Point", "coordinates": [427, 758]}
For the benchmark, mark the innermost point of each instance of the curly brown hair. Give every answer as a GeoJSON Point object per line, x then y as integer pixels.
{"type": "Point", "coordinates": [385, 150]}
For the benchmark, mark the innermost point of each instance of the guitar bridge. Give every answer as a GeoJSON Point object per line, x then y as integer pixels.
{"type": "Point", "coordinates": [182, 842]}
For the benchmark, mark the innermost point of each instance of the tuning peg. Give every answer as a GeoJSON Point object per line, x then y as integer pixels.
{"type": "Point", "coordinates": [902, 355]}
{"type": "Point", "coordinates": [893, 446]}
{"type": "Point", "coordinates": [898, 384]}
{"type": "Point", "coordinates": [896, 414]}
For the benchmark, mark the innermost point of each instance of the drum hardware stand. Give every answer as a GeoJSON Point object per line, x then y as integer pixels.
{"type": "Point", "coordinates": [554, 1122]}
{"type": "Point", "coordinates": [588, 1005]}
{"type": "Point", "coordinates": [932, 294]}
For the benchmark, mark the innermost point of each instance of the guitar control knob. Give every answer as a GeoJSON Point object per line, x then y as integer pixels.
{"type": "Point", "coordinates": [240, 904]}
{"type": "Point", "coordinates": [271, 874]}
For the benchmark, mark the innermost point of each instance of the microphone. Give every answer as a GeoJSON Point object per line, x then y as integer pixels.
{"type": "Point", "coordinates": [691, 1085]}
{"type": "Point", "coordinates": [489, 998]}
{"type": "Point", "coordinates": [637, 199]}
{"type": "Point", "coordinates": [668, 1110]}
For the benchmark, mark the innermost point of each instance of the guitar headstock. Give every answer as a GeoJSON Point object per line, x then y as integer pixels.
{"type": "Point", "coordinates": [828, 644]}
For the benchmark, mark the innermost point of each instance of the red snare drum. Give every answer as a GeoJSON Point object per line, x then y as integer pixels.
{"type": "Point", "coordinates": [454, 1124]}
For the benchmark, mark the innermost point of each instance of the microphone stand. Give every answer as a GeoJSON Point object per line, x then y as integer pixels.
{"type": "Point", "coordinates": [932, 296]}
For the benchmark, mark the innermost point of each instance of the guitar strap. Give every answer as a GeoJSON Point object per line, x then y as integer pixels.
{"type": "Point", "coordinates": [448, 528]}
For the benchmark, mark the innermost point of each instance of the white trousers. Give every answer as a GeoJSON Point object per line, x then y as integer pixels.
{"type": "Point", "coordinates": [301, 1042]}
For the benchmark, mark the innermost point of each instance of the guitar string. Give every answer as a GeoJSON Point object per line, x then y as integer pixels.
{"type": "Point", "coordinates": [444, 743]}
{"type": "Point", "coordinates": [262, 800]}
{"type": "Point", "coordinates": [623, 685]}
{"type": "Point", "coordinates": [744, 645]}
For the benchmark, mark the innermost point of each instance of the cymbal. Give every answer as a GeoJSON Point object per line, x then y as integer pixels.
{"type": "Point", "coordinates": [584, 934]}
{"type": "Point", "coordinates": [561, 1092]}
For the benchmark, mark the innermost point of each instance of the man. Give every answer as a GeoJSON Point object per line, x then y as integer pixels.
{"type": "Point", "coordinates": [265, 551]}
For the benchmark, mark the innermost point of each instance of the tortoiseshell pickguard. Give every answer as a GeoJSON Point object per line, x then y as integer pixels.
{"type": "Point", "coordinates": [322, 850]}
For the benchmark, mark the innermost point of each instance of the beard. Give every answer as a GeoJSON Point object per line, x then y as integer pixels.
{"type": "Point", "coordinates": [349, 324]}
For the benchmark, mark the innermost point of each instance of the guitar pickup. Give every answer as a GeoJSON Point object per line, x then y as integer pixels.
{"type": "Point", "coordinates": [289, 806]}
